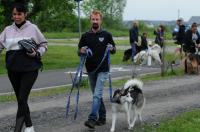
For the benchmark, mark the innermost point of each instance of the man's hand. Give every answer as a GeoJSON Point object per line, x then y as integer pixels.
{"type": "Point", "coordinates": [33, 54]}
{"type": "Point", "coordinates": [136, 43]}
{"type": "Point", "coordinates": [83, 49]}
{"type": "Point", "coordinates": [110, 47]}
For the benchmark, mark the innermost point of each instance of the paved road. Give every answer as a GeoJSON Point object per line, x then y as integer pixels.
{"type": "Point", "coordinates": [60, 77]}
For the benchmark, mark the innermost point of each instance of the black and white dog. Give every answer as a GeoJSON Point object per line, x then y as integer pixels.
{"type": "Point", "coordinates": [129, 99]}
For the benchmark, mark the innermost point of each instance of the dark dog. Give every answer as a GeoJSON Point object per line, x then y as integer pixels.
{"type": "Point", "coordinates": [192, 64]}
{"type": "Point", "coordinates": [127, 54]}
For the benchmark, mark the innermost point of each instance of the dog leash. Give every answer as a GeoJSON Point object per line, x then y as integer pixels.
{"type": "Point", "coordinates": [75, 81]}
{"type": "Point", "coordinates": [110, 81]}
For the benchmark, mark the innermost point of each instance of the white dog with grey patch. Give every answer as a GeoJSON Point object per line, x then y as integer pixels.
{"type": "Point", "coordinates": [153, 51]}
{"type": "Point", "coordinates": [129, 99]}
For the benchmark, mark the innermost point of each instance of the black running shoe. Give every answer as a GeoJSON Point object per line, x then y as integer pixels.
{"type": "Point", "coordinates": [100, 122]}
{"type": "Point", "coordinates": [90, 124]}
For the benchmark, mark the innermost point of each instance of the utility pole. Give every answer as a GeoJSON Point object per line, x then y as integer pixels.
{"type": "Point", "coordinates": [163, 61]}
{"type": "Point", "coordinates": [178, 13]}
{"type": "Point", "coordinates": [79, 19]}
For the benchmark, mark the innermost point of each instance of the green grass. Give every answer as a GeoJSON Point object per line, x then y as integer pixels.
{"type": "Point", "coordinates": [186, 122]}
{"type": "Point", "coordinates": [75, 41]}
{"type": "Point", "coordinates": [66, 41]}
{"type": "Point", "coordinates": [117, 42]}
{"type": "Point", "coordinates": [122, 42]}
{"type": "Point", "coordinates": [2, 63]}
{"type": "Point", "coordinates": [118, 33]}
{"type": "Point", "coordinates": [60, 57]}
{"type": "Point", "coordinates": [58, 35]}
{"type": "Point", "coordinates": [114, 32]}
{"type": "Point", "coordinates": [41, 93]}
{"type": "Point", "coordinates": [61, 35]}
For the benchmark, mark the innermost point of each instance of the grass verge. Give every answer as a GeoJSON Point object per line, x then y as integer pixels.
{"type": "Point", "coordinates": [185, 122]}
{"type": "Point", "coordinates": [61, 57]}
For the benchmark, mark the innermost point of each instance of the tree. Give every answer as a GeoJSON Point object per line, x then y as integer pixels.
{"type": "Point", "coordinates": [49, 15]}
{"type": "Point", "coordinates": [111, 9]}
{"type": "Point", "coordinates": [5, 11]}
{"type": "Point", "coordinates": [54, 16]}
{"type": "Point", "coordinates": [1, 17]}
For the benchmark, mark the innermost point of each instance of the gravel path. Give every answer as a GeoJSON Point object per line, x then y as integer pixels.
{"type": "Point", "coordinates": [165, 98]}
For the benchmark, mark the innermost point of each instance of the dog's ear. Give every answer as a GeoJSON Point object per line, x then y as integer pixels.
{"type": "Point", "coordinates": [134, 87]}
{"type": "Point", "coordinates": [125, 92]}
{"type": "Point", "coordinates": [117, 91]}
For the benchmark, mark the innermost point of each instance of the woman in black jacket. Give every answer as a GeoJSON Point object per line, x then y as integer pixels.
{"type": "Point", "coordinates": [159, 35]}
{"type": "Point", "coordinates": [192, 39]}
{"type": "Point", "coordinates": [144, 42]}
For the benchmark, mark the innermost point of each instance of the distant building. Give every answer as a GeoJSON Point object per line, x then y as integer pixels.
{"type": "Point", "coordinates": [194, 19]}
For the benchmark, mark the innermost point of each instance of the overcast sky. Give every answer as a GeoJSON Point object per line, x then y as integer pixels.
{"type": "Point", "coordinates": [161, 9]}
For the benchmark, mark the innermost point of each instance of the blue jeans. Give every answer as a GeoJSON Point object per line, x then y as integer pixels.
{"type": "Point", "coordinates": [133, 50]}
{"type": "Point", "coordinates": [97, 83]}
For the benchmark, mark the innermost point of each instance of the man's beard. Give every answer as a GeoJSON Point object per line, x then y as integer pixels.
{"type": "Point", "coordinates": [95, 26]}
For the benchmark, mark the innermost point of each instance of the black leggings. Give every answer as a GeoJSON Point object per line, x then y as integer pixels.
{"type": "Point", "coordinates": [22, 83]}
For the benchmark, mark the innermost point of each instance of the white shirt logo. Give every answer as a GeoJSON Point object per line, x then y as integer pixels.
{"type": "Point", "coordinates": [101, 39]}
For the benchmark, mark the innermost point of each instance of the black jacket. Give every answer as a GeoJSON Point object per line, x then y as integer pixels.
{"type": "Point", "coordinates": [19, 61]}
{"type": "Point", "coordinates": [97, 42]}
{"type": "Point", "coordinates": [133, 35]}
{"type": "Point", "coordinates": [189, 45]}
{"type": "Point", "coordinates": [181, 34]}
{"type": "Point", "coordinates": [159, 38]}
{"type": "Point", "coordinates": [144, 43]}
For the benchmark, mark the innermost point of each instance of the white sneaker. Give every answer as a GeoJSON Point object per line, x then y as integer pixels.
{"type": "Point", "coordinates": [29, 129]}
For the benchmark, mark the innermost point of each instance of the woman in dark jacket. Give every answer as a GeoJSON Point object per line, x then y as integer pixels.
{"type": "Point", "coordinates": [159, 36]}
{"type": "Point", "coordinates": [144, 42]}
{"type": "Point", "coordinates": [192, 39]}
{"type": "Point", "coordinates": [191, 42]}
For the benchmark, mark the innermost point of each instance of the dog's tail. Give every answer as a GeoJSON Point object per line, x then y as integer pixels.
{"type": "Point", "coordinates": [133, 82]}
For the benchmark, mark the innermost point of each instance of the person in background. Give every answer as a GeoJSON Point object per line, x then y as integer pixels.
{"type": "Point", "coordinates": [97, 40]}
{"type": "Point", "coordinates": [159, 37]}
{"type": "Point", "coordinates": [179, 35]}
{"type": "Point", "coordinates": [144, 43]}
{"type": "Point", "coordinates": [22, 67]}
{"type": "Point", "coordinates": [179, 32]}
{"type": "Point", "coordinates": [192, 42]}
{"type": "Point", "coordinates": [192, 39]}
{"type": "Point", "coordinates": [133, 37]}
{"type": "Point", "coordinates": [159, 32]}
